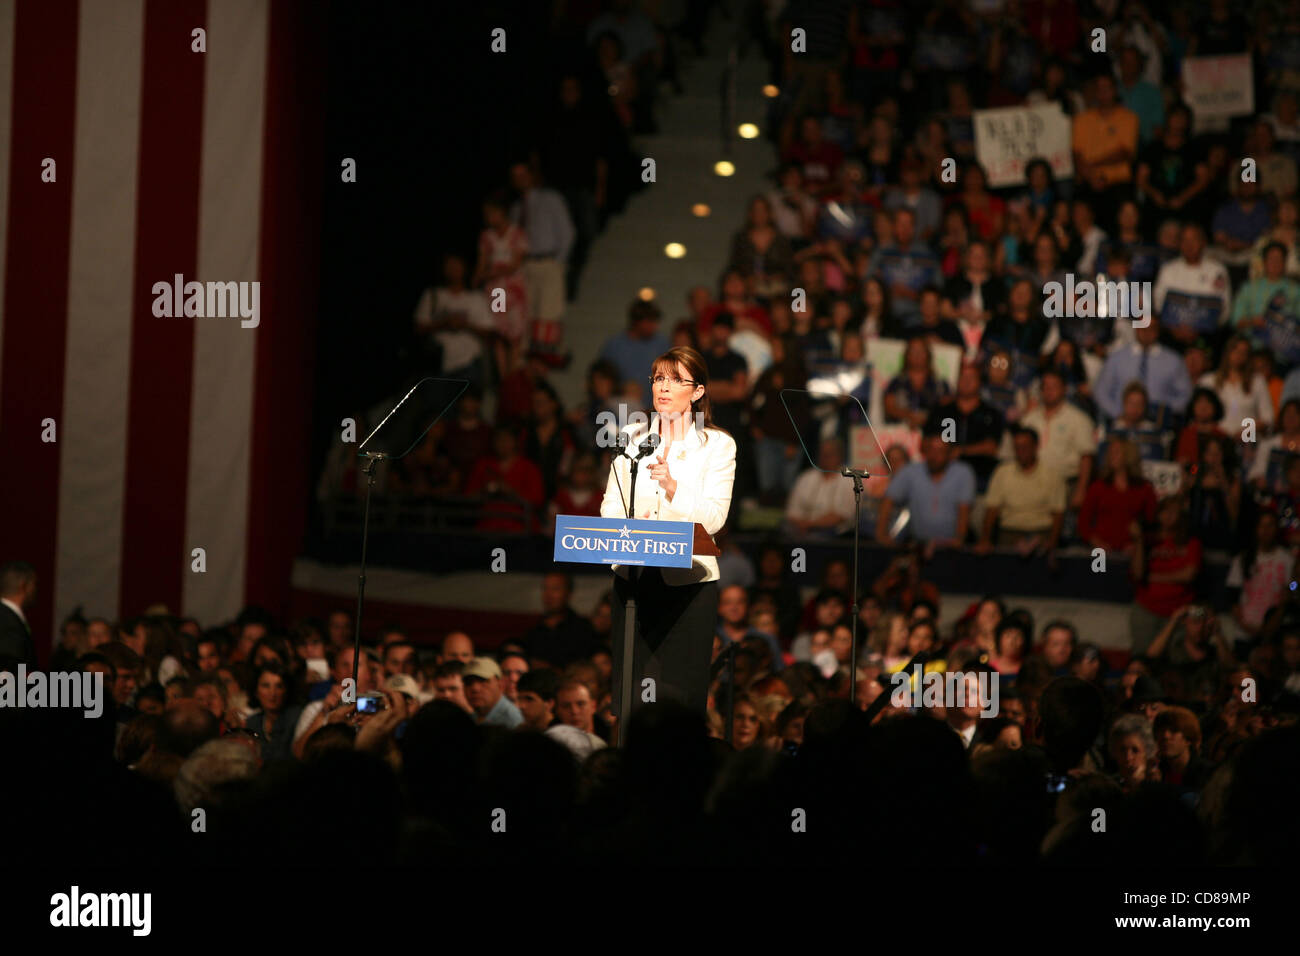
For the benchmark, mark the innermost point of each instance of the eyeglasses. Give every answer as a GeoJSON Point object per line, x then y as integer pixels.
{"type": "Point", "coordinates": [671, 380]}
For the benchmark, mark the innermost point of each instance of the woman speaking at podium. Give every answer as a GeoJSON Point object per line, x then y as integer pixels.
{"type": "Point", "coordinates": [688, 477]}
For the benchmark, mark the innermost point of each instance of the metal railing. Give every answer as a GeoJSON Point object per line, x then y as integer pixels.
{"type": "Point", "coordinates": [342, 514]}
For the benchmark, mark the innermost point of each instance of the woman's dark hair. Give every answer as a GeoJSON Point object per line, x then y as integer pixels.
{"type": "Point", "coordinates": [1039, 163]}
{"type": "Point", "coordinates": [547, 389]}
{"type": "Point", "coordinates": [277, 645]}
{"type": "Point", "coordinates": [279, 672]}
{"type": "Point", "coordinates": [1077, 371]}
{"type": "Point", "coordinates": [1012, 623]}
{"type": "Point", "coordinates": [886, 303]}
{"type": "Point", "coordinates": [695, 367]}
{"type": "Point", "coordinates": [789, 714]}
{"type": "Point", "coordinates": [1226, 445]}
{"type": "Point", "coordinates": [1292, 403]}
{"type": "Point", "coordinates": [988, 731]}
{"type": "Point", "coordinates": [1210, 395]}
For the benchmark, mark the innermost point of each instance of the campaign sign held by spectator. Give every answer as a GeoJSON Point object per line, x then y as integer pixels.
{"type": "Point", "coordinates": [1281, 332]}
{"type": "Point", "coordinates": [1152, 443]}
{"type": "Point", "coordinates": [1166, 477]}
{"type": "Point", "coordinates": [865, 446]}
{"type": "Point", "coordinates": [1007, 139]}
{"type": "Point", "coordinates": [661, 544]}
{"type": "Point", "coordinates": [1218, 88]}
{"type": "Point", "coordinates": [1186, 310]}
{"type": "Point", "coordinates": [1275, 470]}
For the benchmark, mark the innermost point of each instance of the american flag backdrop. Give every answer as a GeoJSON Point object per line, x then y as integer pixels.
{"type": "Point", "coordinates": [172, 433]}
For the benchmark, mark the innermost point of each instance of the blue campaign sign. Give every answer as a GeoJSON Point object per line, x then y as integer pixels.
{"type": "Point", "coordinates": [1281, 331]}
{"type": "Point", "coordinates": [1186, 310]}
{"type": "Point", "coordinates": [660, 544]}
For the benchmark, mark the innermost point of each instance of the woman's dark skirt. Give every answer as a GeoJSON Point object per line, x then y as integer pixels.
{"type": "Point", "coordinates": [673, 644]}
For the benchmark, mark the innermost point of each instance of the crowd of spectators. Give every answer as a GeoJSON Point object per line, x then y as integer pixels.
{"type": "Point", "coordinates": [436, 750]}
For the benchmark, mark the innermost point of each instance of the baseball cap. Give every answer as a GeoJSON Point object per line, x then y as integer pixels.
{"type": "Point", "coordinates": [580, 743]}
{"type": "Point", "coordinates": [408, 685]}
{"type": "Point", "coordinates": [482, 668]}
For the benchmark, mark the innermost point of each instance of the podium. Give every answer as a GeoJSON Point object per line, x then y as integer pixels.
{"type": "Point", "coordinates": [633, 543]}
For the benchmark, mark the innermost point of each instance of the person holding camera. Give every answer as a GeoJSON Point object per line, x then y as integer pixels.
{"type": "Point", "coordinates": [1192, 644]}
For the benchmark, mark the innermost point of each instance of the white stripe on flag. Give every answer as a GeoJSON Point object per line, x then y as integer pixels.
{"type": "Point", "coordinates": [7, 10]}
{"type": "Point", "coordinates": [221, 412]}
{"type": "Point", "coordinates": [101, 273]}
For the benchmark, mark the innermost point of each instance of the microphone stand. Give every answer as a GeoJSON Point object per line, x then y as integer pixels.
{"type": "Point", "coordinates": [372, 461]}
{"type": "Point", "coordinates": [727, 657]}
{"type": "Point", "coordinates": [883, 698]}
{"type": "Point", "coordinates": [629, 606]}
{"type": "Point", "coordinates": [857, 475]}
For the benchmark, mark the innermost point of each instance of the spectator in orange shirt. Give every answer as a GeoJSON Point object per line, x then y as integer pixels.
{"type": "Point", "coordinates": [1105, 147]}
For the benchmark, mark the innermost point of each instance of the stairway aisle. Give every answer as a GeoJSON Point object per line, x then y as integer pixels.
{"type": "Point", "coordinates": [629, 254]}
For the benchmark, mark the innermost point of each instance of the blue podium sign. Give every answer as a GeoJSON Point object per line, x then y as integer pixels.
{"type": "Point", "coordinates": [642, 541]}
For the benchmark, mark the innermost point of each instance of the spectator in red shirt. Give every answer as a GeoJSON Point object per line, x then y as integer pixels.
{"type": "Point", "coordinates": [986, 212]}
{"type": "Point", "coordinates": [580, 494]}
{"type": "Point", "coordinates": [468, 436]}
{"type": "Point", "coordinates": [1165, 568]}
{"type": "Point", "coordinates": [1119, 497]}
{"type": "Point", "coordinates": [1054, 26]}
{"type": "Point", "coordinates": [743, 307]}
{"type": "Point", "coordinates": [505, 477]}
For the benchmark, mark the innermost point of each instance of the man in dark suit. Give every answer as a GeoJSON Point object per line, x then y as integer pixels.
{"type": "Point", "coordinates": [17, 593]}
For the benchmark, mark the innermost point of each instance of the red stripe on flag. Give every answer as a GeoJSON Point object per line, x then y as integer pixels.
{"type": "Point", "coordinates": [154, 552]}
{"type": "Point", "coordinates": [279, 485]}
{"type": "Point", "coordinates": [36, 291]}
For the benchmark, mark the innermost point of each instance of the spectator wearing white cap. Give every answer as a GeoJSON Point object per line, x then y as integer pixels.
{"type": "Point", "coordinates": [482, 679]}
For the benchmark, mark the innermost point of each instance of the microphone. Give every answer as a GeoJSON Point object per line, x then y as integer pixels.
{"type": "Point", "coordinates": [648, 445]}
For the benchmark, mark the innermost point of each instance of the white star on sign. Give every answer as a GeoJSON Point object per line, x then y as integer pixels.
{"type": "Point", "coordinates": [626, 532]}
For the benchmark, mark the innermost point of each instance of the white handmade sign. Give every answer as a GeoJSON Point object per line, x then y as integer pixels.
{"type": "Point", "coordinates": [1218, 88]}
{"type": "Point", "coordinates": [1007, 139]}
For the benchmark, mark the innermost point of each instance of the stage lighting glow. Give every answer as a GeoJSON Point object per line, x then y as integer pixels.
{"type": "Point", "coordinates": [674, 250]}
{"type": "Point", "coordinates": [646, 295]}
{"type": "Point", "coordinates": [724, 168]}
{"type": "Point", "coordinates": [748, 131]}
{"type": "Point", "coordinates": [701, 209]}
{"type": "Point", "coordinates": [771, 91]}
